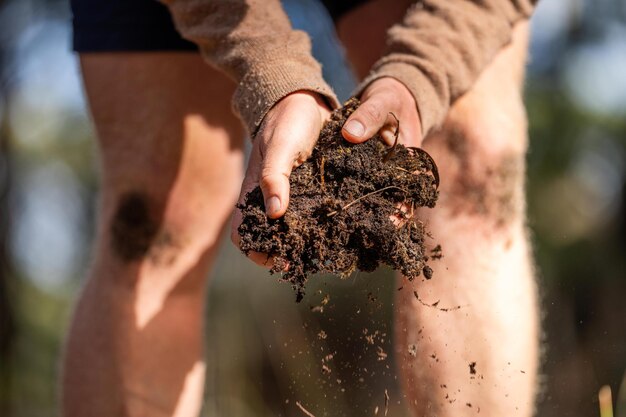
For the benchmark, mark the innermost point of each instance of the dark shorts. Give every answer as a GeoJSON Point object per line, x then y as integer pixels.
{"type": "Point", "coordinates": [143, 25]}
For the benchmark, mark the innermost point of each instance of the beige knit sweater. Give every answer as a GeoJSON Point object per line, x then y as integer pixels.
{"type": "Point", "coordinates": [438, 50]}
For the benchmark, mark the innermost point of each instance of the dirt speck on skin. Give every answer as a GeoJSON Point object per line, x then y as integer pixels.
{"type": "Point", "coordinates": [472, 368]}
{"type": "Point", "coordinates": [341, 207]}
{"type": "Point", "coordinates": [436, 253]}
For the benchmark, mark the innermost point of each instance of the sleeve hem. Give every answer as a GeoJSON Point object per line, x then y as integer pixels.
{"type": "Point", "coordinates": [258, 91]}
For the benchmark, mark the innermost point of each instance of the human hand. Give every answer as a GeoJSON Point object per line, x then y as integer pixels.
{"type": "Point", "coordinates": [384, 96]}
{"type": "Point", "coordinates": [285, 140]}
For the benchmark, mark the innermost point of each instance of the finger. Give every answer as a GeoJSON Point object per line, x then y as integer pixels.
{"type": "Point", "coordinates": [283, 153]}
{"type": "Point", "coordinates": [367, 120]}
{"type": "Point", "coordinates": [275, 187]}
{"type": "Point", "coordinates": [250, 181]}
{"type": "Point", "coordinates": [261, 259]}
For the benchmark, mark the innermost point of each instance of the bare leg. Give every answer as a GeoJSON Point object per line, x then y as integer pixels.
{"type": "Point", "coordinates": [483, 355]}
{"type": "Point", "coordinates": [481, 358]}
{"type": "Point", "coordinates": [171, 169]}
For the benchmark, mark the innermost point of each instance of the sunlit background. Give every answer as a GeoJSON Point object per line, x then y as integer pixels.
{"type": "Point", "coordinates": [260, 364]}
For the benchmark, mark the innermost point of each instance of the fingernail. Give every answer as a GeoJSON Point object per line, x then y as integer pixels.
{"type": "Point", "coordinates": [272, 205]}
{"type": "Point", "coordinates": [355, 128]}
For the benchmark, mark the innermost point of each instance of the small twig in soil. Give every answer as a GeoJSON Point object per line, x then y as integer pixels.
{"type": "Point", "coordinates": [404, 170]}
{"type": "Point", "coordinates": [396, 134]}
{"type": "Point", "coordinates": [304, 410]}
{"type": "Point", "coordinates": [332, 213]}
{"type": "Point", "coordinates": [322, 172]}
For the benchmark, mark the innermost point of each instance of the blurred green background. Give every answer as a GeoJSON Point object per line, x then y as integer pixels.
{"type": "Point", "coordinates": [264, 351]}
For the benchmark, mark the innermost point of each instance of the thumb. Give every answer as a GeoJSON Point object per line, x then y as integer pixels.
{"type": "Point", "coordinates": [290, 138]}
{"type": "Point", "coordinates": [274, 177]}
{"type": "Point", "coordinates": [365, 122]}
{"type": "Point", "coordinates": [275, 187]}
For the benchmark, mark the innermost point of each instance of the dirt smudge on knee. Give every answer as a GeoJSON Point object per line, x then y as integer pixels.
{"type": "Point", "coordinates": [489, 187]}
{"type": "Point", "coordinates": [457, 143]}
{"type": "Point", "coordinates": [507, 182]}
{"type": "Point", "coordinates": [137, 233]}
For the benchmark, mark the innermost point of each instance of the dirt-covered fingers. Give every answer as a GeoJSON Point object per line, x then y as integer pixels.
{"type": "Point", "coordinates": [281, 156]}
{"type": "Point", "coordinates": [250, 182]}
{"type": "Point", "coordinates": [285, 141]}
{"type": "Point", "coordinates": [388, 107]}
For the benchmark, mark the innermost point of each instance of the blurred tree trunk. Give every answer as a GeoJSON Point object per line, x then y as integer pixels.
{"type": "Point", "coordinates": [7, 327]}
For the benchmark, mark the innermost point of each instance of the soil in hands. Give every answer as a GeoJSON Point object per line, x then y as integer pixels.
{"type": "Point", "coordinates": [351, 207]}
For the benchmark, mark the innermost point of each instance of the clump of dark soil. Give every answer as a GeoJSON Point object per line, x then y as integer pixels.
{"type": "Point", "coordinates": [351, 207]}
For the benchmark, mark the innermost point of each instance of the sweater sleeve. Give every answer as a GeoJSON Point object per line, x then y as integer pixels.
{"type": "Point", "coordinates": [253, 42]}
{"type": "Point", "coordinates": [441, 47]}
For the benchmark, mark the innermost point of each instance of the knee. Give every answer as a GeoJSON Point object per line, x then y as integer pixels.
{"type": "Point", "coordinates": [485, 158]}
{"type": "Point", "coordinates": [144, 228]}
{"type": "Point", "coordinates": [138, 230]}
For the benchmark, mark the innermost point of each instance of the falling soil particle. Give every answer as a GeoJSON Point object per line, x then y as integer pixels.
{"type": "Point", "coordinates": [371, 337]}
{"type": "Point", "coordinates": [436, 253]}
{"type": "Point", "coordinates": [322, 335]}
{"type": "Point", "coordinates": [304, 410]}
{"type": "Point", "coordinates": [413, 350]}
{"type": "Point", "coordinates": [317, 309]}
{"type": "Point", "coordinates": [326, 369]}
{"type": "Point", "coordinates": [351, 207]}
{"type": "Point", "coordinates": [381, 353]}
{"type": "Point", "coordinates": [472, 368]}
{"type": "Point", "coordinates": [428, 272]}
{"type": "Point", "coordinates": [435, 304]}
{"type": "Point", "coordinates": [386, 402]}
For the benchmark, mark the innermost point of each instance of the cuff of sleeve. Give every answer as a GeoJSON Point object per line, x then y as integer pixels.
{"type": "Point", "coordinates": [264, 86]}
{"type": "Point", "coordinates": [430, 106]}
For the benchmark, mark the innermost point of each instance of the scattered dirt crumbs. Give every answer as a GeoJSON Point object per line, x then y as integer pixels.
{"type": "Point", "coordinates": [351, 207]}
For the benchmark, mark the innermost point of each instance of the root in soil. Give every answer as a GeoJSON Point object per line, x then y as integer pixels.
{"type": "Point", "coordinates": [352, 207]}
